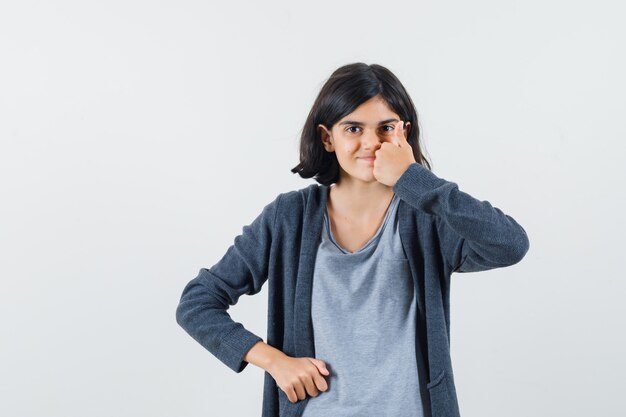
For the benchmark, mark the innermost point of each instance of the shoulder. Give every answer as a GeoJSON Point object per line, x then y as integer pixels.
{"type": "Point", "coordinates": [300, 197]}
{"type": "Point", "coordinates": [289, 200]}
{"type": "Point", "coordinates": [292, 204]}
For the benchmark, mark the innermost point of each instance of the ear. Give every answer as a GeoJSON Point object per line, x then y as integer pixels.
{"type": "Point", "coordinates": [407, 125]}
{"type": "Point", "coordinates": [326, 138]}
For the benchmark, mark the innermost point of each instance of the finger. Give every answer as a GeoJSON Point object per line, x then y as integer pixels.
{"type": "Point", "coordinates": [291, 394]}
{"type": "Point", "coordinates": [311, 389]}
{"type": "Point", "coordinates": [300, 390]}
{"type": "Point", "coordinates": [398, 137]}
{"type": "Point", "coordinates": [395, 139]}
{"type": "Point", "coordinates": [321, 365]}
{"type": "Point", "coordinates": [320, 382]}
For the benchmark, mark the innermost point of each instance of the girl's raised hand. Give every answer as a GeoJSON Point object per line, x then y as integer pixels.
{"type": "Point", "coordinates": [393, 157]}
{"type": "Point", "coordinates": [299, 376]}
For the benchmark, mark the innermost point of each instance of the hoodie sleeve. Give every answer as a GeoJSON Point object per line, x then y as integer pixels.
{"type": "Point", "coordinates": [202, 310]}
{"type": "Point", "coordinates": [473, 235]}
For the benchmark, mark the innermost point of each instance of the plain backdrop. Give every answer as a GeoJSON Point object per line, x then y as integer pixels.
{"type": "Point", "coordinates": [139, 137]}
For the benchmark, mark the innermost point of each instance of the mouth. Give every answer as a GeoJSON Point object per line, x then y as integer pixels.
{"type": "Point", "coordinates": [369, 158]}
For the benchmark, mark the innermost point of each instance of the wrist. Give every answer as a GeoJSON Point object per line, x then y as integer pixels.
{"type": "Point", "coordinates": [273, 357]}
{"type": "Point", "coordinates": [402, 172]}
{"type": "Point", "coordinates": [264, 356]}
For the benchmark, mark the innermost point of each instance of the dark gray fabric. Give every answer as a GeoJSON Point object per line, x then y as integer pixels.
{"type": "Point", "coordinates": [442, 230]}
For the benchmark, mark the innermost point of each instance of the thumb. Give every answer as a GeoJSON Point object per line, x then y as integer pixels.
{"type": "Point", "coordinates": [321, 365]}
{"type": "Point", "coordinates": [399, 139]}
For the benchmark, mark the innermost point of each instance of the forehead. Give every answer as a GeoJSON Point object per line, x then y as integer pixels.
{"type": "Point", "coordinates": [374, 111]}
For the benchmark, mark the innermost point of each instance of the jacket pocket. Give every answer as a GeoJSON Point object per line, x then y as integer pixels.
{"type": "Point", "coordinates": [286, 407]}
{"type": "Point", "coordinates": [440, 403]}
{"type": "Point", "coordinates": [437, 380]}
{"type": "Point", "coordinates": [283, 402]}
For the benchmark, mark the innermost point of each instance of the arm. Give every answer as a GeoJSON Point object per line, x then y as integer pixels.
{"type": "Point", "coordinates": [264, 355]}
{"type": "Point", "coordinates": [202, 310]}
{"type": "Point", "coordinates": [473, 235]}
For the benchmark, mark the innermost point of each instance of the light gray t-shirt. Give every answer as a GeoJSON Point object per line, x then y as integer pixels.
{"type": "Point", "coordinates": [360, 302]}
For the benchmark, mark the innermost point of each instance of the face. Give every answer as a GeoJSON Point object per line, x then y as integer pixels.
{"type": "Point", "coordinates": [358, 136]}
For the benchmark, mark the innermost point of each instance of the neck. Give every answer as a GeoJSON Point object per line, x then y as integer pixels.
{"type": "Point", "coordinates": [360, 198]}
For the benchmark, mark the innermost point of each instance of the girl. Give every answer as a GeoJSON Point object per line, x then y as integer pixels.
{"type": "Point", "coordinates": [358, 265]}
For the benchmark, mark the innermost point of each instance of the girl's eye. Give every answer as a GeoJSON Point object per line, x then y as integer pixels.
{"type": "Point", "coordinates": [384, 130]}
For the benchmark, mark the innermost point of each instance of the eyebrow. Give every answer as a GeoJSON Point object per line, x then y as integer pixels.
{"type": "Point", "coordinates": [354, 122]}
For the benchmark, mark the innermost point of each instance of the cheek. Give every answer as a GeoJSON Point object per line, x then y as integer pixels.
{"type": "Point", "coordinates": [350, 147]}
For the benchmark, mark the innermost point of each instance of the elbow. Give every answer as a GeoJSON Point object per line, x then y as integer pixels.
{"type": "Point", "coordinates": [187, 308]}
{"type": "Point", "coordinates": [193, 300]}
{"type": "Point", "coordinates": [182, 317]}
{"type": "Point", "coordinates": [190, 312]}
{"type": "Point", "coordinates": [519, 248]}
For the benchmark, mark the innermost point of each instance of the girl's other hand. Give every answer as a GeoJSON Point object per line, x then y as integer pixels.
{"type": "Point", "coordinates": [299, 376]}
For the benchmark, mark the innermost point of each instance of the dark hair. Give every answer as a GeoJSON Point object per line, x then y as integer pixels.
{"type": "Point", "coordinates": [347, 88]}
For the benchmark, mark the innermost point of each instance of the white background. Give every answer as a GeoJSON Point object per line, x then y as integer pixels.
{"type": "Point", "coordinates": [137, 138]}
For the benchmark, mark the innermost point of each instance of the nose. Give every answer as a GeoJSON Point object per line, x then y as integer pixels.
{"type": "Point", "coordinates": [371, 140]}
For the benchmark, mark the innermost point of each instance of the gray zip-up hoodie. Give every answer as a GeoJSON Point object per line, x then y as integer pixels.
{"type": "Point", "coordinates": [443, 230]}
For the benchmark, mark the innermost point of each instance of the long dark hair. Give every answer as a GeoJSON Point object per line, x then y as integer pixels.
{"type": "Point", "coordinates": [347, 88]}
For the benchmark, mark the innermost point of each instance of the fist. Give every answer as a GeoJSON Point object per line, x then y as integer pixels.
{"type": "Point", "coordinates": [393, 158]}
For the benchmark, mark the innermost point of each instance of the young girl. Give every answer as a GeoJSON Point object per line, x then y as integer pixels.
{"type": "Point", "coordinates": [358, 265]}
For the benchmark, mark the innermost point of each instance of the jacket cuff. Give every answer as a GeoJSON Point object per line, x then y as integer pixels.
{"type": "Point", "coordinates": [234, 347]}
{"type": "Point", "coordinates": [416, 181]}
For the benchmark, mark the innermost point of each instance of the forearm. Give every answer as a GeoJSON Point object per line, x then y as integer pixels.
{"type": "Point", "coordinates": [471, 231]}
{"type": "Point", "coordinates": [263, 355]}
